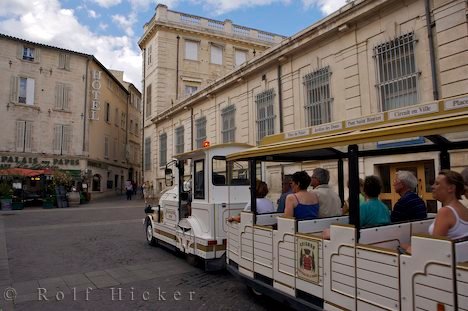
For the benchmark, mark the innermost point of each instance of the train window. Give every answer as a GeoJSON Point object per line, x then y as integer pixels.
{"type": "Point", "coordinates": [239, 173]}
{"type": "Point", "coordinates": [199, 180]}
{"type": "Point", "coordinates": [219, 171]}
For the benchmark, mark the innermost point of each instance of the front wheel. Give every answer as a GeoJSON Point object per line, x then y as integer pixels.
{"type": "Point", "coordinates": [149, 234]}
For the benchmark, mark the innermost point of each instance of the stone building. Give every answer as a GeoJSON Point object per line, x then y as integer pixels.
{"type": "Point", "coordinates": [364, 59]}
{"type": "Point", "coordinates": [183, 54]}
{"type": "Point", "coordinates": [64, 109]}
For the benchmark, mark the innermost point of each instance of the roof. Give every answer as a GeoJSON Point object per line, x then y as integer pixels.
{"type": "Point", "coordinates": [197, 152]}
{"type": "Point", "coordinates": [334, 143]}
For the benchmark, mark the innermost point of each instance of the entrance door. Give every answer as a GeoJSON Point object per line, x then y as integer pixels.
{"type": "Point", "coordinates": [424, 172]}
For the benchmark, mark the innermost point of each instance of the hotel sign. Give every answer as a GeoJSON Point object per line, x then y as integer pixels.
{"type": "Point", "coordinates": [95, 91]}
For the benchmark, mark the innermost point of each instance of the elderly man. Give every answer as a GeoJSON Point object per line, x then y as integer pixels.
{"type": "Point", "coordinates": [410, 206]}
{"type": "Point", "coordinates": [329, 201]}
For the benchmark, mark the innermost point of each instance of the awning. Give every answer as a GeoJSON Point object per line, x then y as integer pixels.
{"type": "Point", "coordinates": [16, 171]}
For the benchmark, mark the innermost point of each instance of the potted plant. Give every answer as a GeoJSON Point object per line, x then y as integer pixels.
{"type": "Point", "coordinates": [6, 193]}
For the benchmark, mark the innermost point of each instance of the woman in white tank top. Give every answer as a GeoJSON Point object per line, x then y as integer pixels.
{"type": "Point", "coordinates": [452, 218]}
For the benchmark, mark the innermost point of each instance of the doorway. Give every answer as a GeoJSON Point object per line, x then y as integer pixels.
{"type": "Point", "coordinates": [424, 172]}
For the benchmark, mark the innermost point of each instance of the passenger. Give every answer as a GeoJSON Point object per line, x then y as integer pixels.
{"type": "Point", "coordinates": [286, 189]}
{"type": "Point", "coordinates": [373, 212]}
{"type": "Point", "coordinates": [452, 218]}
{"type": "Point", "coordinates": [410, 206]}
{"type": "Point", "coordinates": [329, 201]}
{"type": "Point", "coordinates": [464, 174]}
{"type": "Point", "coordinates": [362, 197]}
{"type": "Point", "coordinates": [264, 205]}
{"type": "Point", "coordinates": [301, 204]}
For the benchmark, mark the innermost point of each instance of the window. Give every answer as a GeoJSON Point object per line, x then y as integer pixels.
{"type": "Point", "coordinates": [107, 112]}
{"type": "Point", "coordinates": [64, 61]}
{"type": "Point", "coordinates": [148, 100]}
{"type": "Point", "coordinates": [23, 136]}
{"type": "Point", "coordinates": [219, 171]}
{"type": "Point", "coordinates": [116, 117]}
{"type": "Point", "coordinates": [106, 147]}
{"type": "Point", "coordinates": [240, 57]}
{"type": "Point", "coordinates": [114, 149]}
{"type": "Point", "coordinates": [62, 96]}
{"type": "Point", "coordinates": [190, 89]}
{"type": "Point", "coordinates": [150, 52]}
{"type": "Point", "coordinates": [200, 125]}
{"type": "Point", "coordinates": [179, 139]}
{"type": "Point", "coordinates": [216, 54]}
{"type": "Point", "coordinates": [131, 126]}
{"type": "Point", "coordinates": [265, 114]}
{"type": "Point", "coordinates": [123, 120]}
{"type": "Point", "coordinates": [29, 53]}
{"type": "Point", "coordinates": [317, 97]}
{"type": "Point", "coordinates": [397, 75]}
{"type": "Point", "coordinates": [162, 149]}
{"type": "Point", "coordinates": [229, 126]}
{"type": "Point", "coordinates": [62, 138]}
{"type": "Point", "coordinates": [147, 153]}
{"type": "Point", "coordinates": [199, 181]}
{"type": "Point", "coordinates": [191, 50]}
{"type": "Point", "coordinates": [22, 90]}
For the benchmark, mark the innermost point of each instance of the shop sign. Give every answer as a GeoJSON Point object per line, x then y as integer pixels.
{"type": "Point", "coordinates": [307, 265]}
{"type": "Point", "coordinates": [35, 162]}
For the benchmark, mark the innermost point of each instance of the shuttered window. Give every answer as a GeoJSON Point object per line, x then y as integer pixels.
{"type": "Point", "coordinates": [191, 50]}
{"type": "Point", "coordinates": [162, 149]}
{"type": "Point", "coordinates": [23, 136]}
{"type": "Point", "coordinates": [216, 54]}
{"type": "Point", "coordinates": [148, 101]}
{"type": "Point", "coordinates": [106, 147]}
{"type": "Point", "coordinates": [229, 126]}
{"type": "Point", "coordinates": [62, 96]}
{"type": "Point", "coordinates": [22, 90]}
{"type": "Point", "coordinates": [64, 61]}
{"type": "Point", "coordinates": [240, 57]}
{"type": "Point", "coordinates": [62, 139]}
{"type": "Point", "coordinates": [147, 159]}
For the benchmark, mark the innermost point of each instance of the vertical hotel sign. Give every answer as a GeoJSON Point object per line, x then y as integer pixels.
{"type": "Point", "coordinates": [95, 91]}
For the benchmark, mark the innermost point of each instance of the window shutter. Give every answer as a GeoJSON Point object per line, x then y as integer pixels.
{"type": "Point", "coordinates": [37, 55]}
{"type": "Point", "coordinates": [20, 51]}
{"type": "Point", "coordinates": [67, 62]}
{"type": "Point", "coordinates": [191, 50]}
{"type": "Point", "coordinates": [59, 96]}
{"type": "Point", "coordinates": [216, 55]}
{"type": "Point", "coordinates": [28, 137]}
{"type": "Point", "coordinates": [57, 138]}
{"type": "Point", "coordinates": [240, 57]}
{"type": "Point", "coordinates": [14, 82]}
{"type": "Point", "coordinates": [67, 131]}
{"type": "Point", "coordinates": [106, 147]}
{"type": "Point", "coordinates": [66, 95]}
{"type": "Point", "coordinates": [20, 129]}
{"type": "Point", "coordinates": [30, 92]}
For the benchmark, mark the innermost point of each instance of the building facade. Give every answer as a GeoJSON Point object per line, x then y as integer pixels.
{"type": "Point", "coordinates": [366, 58]}
{"type": "Point", "coordinates": [183, 54]}
{"type": "Point", "coordinates": [61, 111]}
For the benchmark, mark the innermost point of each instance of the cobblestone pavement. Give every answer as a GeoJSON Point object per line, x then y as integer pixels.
{"type": "Point", "coordinates": [95, 257]}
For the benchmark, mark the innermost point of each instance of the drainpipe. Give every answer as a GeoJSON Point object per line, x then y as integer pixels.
{"type": "Point", "coordinates": [191, 128]}
{"type": "Point", "coordinates": [280, 99]}
{"type": "Point", "coordinates": [143, 107]}
{"type": "Point", "coordinates": [177, 69]}
{"type": "Point", "coordinates": [429, 26]}
{"type": "Point", "coordinates": [126, 138]}
{"type": "Point", "coordinates": [85, 106]}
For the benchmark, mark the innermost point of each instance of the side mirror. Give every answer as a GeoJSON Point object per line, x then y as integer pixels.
{"type": "Point", "coordinates": [168, 177]}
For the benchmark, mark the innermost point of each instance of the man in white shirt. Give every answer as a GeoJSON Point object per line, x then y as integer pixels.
{"type": "Point", "coordinates": [329, 201]}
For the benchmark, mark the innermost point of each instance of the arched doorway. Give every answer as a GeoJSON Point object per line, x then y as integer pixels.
{"type": "Point", "coordinates": [97, 182]}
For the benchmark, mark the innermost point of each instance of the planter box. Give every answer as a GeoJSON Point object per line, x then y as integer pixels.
{"type": "Point", "coordinates": [17, 205]}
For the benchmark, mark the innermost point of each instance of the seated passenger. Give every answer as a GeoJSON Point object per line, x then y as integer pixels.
{"type": "Point", "coordinates": [285, 191]}
{"type": "Point", "coordinates": [464, 174]}
{"type": "Point", "coordinates": [452, 218]}
{"type": "Point", "coordinates": [329, 200]}
{"type": "Point", "coordinates": [301, 204]}
{"type": "Point", "coordinates": [264, 205]}
{"type": "Point", "coordinates": [373, 212]}
{"type": "Point", "coordinates": [410, 206]}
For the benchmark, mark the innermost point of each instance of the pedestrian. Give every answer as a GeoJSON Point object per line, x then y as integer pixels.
{"type": "Point", "coordinates": [129, 189]}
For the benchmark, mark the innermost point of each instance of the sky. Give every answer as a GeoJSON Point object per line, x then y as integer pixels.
{"type": "Point", "coordinates": [110, 29]}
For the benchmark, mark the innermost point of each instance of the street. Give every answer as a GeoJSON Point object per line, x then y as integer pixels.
{"type": "Point", "coordinates": [95, 257]}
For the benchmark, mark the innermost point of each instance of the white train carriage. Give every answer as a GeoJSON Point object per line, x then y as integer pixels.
{"type": "Point", "coordinates": [191, 219]}
{"type": "Point", "coordinates": [357, 268]}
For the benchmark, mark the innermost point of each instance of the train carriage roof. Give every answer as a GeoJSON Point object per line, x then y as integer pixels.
{"type": "Point", "coordinates": [443, 125]}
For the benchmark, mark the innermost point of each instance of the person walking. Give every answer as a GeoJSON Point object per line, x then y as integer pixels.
{"type": "Point", "coordinates": [129, 189]}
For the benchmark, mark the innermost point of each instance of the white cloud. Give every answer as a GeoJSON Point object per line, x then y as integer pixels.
{"type": "Point", "coordinates": [107, 3]}
{"type": "Point", "coordinates": [125, 23]}
{"type": "Point", "coordinates": [46, 22]}
{"type": "Point", "coordinates": [326, 6]}
{"type": "Point", "coordinates": [103, 26]}
{"type": "Point", "coordinates": [93, 14]}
